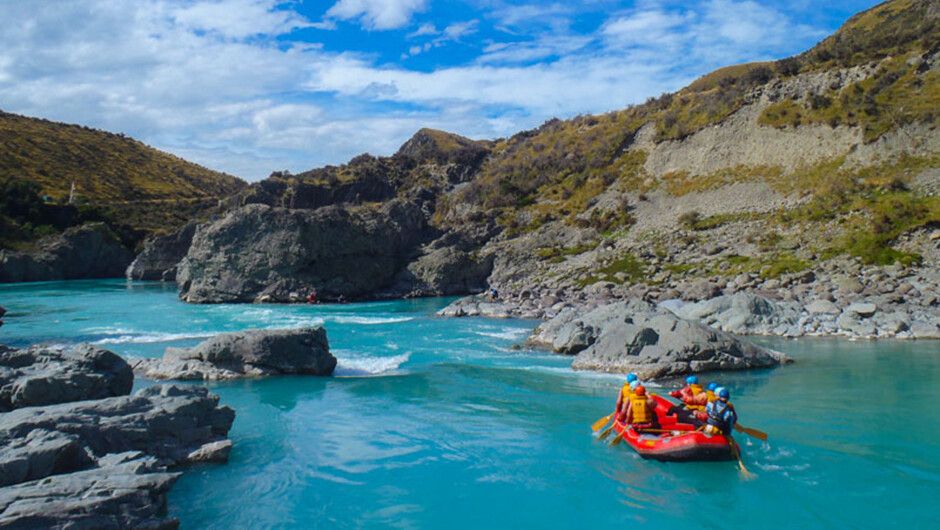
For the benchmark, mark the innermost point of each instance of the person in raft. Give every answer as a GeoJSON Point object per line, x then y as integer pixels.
{"type": "Point", "coordinates": [693, 397]}
{"type": "Point", "coordinates": [710, 392]}
{"type": "Point", "coordinates": [623, 398]}
{"type": "Point", "coordinates": [719, 416]}
{"type": "Point", "coordinates": [641, 410]}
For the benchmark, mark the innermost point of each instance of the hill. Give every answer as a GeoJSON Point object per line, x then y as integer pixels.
{"type": "Point", "coordinates": [117, 179]}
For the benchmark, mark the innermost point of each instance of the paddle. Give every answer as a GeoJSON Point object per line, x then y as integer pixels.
{"type": "Point", "coordinates": [760, 435]}
{"type": "Point", "coordinates": [605, 433]}
{"type": "Point", "coordinates": [737, 454]}
{"type": "Point", "coordinates": [599, 424]}
{"type": "Point", "coordinates": [618, 439]}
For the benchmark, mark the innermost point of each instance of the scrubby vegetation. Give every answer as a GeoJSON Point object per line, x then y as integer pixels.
{"type": "Point", "coordinates": [116, 178]}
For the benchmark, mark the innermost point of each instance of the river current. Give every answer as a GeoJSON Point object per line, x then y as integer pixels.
{"type": "Point", "coordinates": [442, 423]}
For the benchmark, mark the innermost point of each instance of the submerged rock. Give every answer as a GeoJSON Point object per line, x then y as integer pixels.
{"type": "Point", "coordinates": [635, 336]}
{"type": "Point", "coordinates": [88, 251]}
{"type": "Point", "coordinates": [161, 255]}
{"type": "Point", "coordinates": [40, 376]}
{"type": "Point", "coordinates": [246, 353]}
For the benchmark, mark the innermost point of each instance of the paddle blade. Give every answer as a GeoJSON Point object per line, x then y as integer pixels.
{"type": "Point", "coordinates": [760, 435]}
{"type": "Point", "coordinates": [599, 424]}
{"type": "Point", "coordinates": [617, 440]}
{"type": "Point", "coordinates": [606, 432]}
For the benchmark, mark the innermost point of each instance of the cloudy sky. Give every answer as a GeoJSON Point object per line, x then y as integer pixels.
{"type": "Point", "coordinates": [253, 86]}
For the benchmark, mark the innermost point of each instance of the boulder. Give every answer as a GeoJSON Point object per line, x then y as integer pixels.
{"type": "Point", "coordinates": [822, 307]}
{"type": "Point", "coordinates": [168, 422]}
{"type": "Point", "coordinates": [161, 255]}
{"type": "Point", "coordinates": [246, 353]}
{"type": "Point", "coordinates": [862, 309]}
{"type": "Point", "coordinates": [635, 336]}
{"type": "Point", "coordinates": [448, 271]}
{"type": "Point", "coordinates": [39, 376]}
{"type": "Point", "coordinates": [87, 251]}
{"type": "Point", "coordinates": [700, 290]}
{"type": "Point", "coordinates": [260, 253]}
{"type": "Point", "coordinates": [127, 490]}
{"type": "Point", "coordinates": [741, 313]}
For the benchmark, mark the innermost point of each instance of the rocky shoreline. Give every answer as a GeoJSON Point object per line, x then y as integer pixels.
{"type": "Point", "coordinates": [846, 300]}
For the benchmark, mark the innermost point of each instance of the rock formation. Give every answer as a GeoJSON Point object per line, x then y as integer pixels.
{"type": "Point", "coordinates": [99, 462]}
{"type": "Point", "coordinates": [246, 354]}
{"type": "Point", "coordinates": [161, 255]}
{"type": "Point", "coordinates": [259, 253]}
{"type": "Point", "coordinates": [39, 376]}
{"type": "Point", "coordinates": [638, 337]}
{"type": "Point", "coordinates": [88, 251]}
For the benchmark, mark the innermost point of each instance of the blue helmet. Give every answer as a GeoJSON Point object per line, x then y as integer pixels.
{"type": "Point", "coordinates": [631, 378]}
{"type": "Point", "coordinates": [723, 393]}
{"type": "Point", "coordinates": [635, 383]}
{"type": "Point", "coordinates": [712, 386]}
{"type": "Point", "coordinates": [692, 380]}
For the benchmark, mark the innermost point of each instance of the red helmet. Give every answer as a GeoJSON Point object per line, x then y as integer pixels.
{"type": "Point", "coordinates": [640, 390]}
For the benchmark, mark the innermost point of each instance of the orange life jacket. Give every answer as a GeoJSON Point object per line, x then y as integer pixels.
{"type": "Point", "coordinates": [695, 390]}
{"type": "Point", "coordinates": [640, 409]}
{"type": "Point", "coordinates": [711, 395]}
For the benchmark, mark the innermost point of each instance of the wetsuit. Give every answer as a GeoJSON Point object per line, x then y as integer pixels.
{"type": "Point", "coordinates": [721, 415]}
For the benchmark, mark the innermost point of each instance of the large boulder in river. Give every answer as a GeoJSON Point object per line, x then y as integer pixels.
{"type": "Point", "coordinates": [260, 253]}
{"type": "Point", "coordinates": [39, 376]}
{"type": "Point", "coordinates": [87, 251]}
{"type": "Point", "coordinates": [635, 336]}
{"type": "Point", "coordinates": [161, 255]}
{"type": "Point", "coordinates": [246, 353]}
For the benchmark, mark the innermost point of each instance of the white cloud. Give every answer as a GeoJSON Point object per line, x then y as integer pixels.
{"type": "Point", "coordinates": [377, 14]}
{"type": "Point", "coordinates": [238, 19]}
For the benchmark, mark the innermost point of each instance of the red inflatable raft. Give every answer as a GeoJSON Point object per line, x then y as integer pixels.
{"type": "Point", "coordinates": [674, 441]}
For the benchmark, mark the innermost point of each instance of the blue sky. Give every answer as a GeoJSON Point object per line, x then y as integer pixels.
{"type": "Point", "coordinates": [254, 86]}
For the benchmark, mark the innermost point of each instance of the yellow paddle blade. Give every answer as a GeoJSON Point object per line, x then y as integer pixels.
{"type": "Point", "coordinates": [617, 440]}
{"type": "Point", "coordinates": [599, 424]}
{"type": "Point", "coordinates": [606, 432]}
{"type": "Point", "coordinates": [760, 435]}
{"type": "Point", "coordinates": [734, 449]}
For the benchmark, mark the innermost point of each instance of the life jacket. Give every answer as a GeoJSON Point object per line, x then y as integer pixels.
{"type": "Point", "coordinates": [626, 392]}
{"type": "Point", "coordinates": [711, 395]}
{"type": "Point", "coordinates": [694, 390]}
{"type": "Point", "coordinates": [640, 409]}
{"type": "Point", "coordinates": [716, 415]}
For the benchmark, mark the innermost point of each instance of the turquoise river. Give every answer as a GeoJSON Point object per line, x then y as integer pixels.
{"type": "Point", "coordinates": [441, 423]}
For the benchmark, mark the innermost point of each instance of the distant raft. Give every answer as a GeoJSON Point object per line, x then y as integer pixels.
{"type": "Point", "coordinates": [673, 441]}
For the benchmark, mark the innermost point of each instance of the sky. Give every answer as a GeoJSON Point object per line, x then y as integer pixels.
{"type": "Point", "coordinates": [254, 86]}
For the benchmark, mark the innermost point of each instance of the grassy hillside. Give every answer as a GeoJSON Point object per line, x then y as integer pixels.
{"type": "Point", "coordinates": [120, 179]}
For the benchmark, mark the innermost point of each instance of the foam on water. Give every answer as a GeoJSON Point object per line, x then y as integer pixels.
{"type": "Point", "coordinates": [349, 365]}
{"type": "Point", "coordinates": [150, 338]}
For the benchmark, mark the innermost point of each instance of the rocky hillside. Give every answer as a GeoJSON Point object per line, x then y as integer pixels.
{"type": "Point", "coordinates": [135, 188]}
{"type": "Point", "coordinates": [753, 176]}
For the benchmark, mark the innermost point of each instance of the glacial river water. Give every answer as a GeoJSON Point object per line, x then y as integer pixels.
{"type": "Point", "coordinates": [440, 423]}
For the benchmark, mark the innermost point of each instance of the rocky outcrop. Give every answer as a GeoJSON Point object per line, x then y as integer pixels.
{"type": "Point", "coordinates": [128, 490]}
{"type": "Point", "coordinates": [88, 251]}
{"type": "Point", "coordinates": [39, 376]}
{"type": "Point", "coordinates": [638, 337]}
{"type": "Point", "coordinates": [264, 254]}
{"type": "Point", "coordinates": [161, 255]}
{"type": "Point", "coordinates": [743, 313]}
{"type": "Point", "coordinates": [246, 354]}
{"type": "Point", "coordinates": [96, 463]}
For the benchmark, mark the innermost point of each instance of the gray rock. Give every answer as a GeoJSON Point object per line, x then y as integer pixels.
{"type": "Point", "coordinates": [822, 307]}
{"type": "Point", "coordinates": [246, 353]}
{"type": "Point", "coordinates": [88, 251]}
{"type": "Point", "coordinates": [862, 309]}
{"type": "Point", "coordinates": [638, 337]}
{"type": "Point", "coordinates": [741, 313]}
{"type": "Point", "coordinates": [925, 330]}
{"type": "Point", "coordinates": [127, 491]}
{"type": "Point", "coordinates": [850, 286]}
{"type": "Point", "coordinates": [3, 311]}
{"type": "Point", "coordinates": [700, 290]}
{"type": "Point", "coordinates": [447, 271]}
{"type": "Point", "coordinates": [161, 255]}
{"type": "Point", "coordinates": [259, 253]}
{"type": "Point", "coordinates": [38, 376]}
